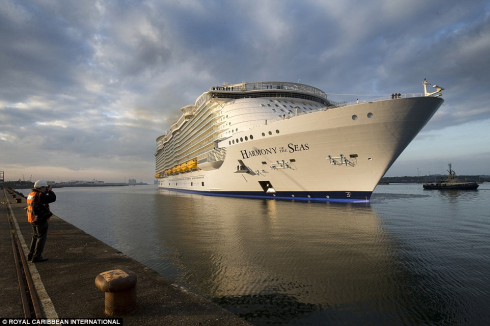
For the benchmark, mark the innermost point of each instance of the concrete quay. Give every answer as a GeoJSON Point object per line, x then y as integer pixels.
{"type": "Point", "coordinates": [66, 282]}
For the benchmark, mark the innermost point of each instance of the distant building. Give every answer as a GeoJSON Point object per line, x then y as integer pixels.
{"type": "Point", "coordinates": [132, 181]}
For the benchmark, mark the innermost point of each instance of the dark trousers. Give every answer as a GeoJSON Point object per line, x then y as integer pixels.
{"type": "Point", "coordinates": [38, 238]}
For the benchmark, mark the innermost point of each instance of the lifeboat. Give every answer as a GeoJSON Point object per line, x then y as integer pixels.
{"type": "Point", "coordinates": [192, 164]}
{"type": "Point", "coordinates": [183, 167]}
{"type": "Point", "coordinates": [157, 175]}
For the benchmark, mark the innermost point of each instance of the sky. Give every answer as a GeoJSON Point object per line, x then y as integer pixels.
{"type": "Point", "coordinates": [87, 86]}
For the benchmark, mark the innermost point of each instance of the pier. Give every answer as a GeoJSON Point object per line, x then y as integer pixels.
{"type": "Point", "coordinates": [65, 284]}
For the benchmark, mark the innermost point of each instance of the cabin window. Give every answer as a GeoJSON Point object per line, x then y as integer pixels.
{"type": "Point", "coordinates": [370, 115]}
{"type": "Point", "coordinates": [246, 138]}
{"type": "Point", "coordinates": [354, 117]}
{"type": "Point", "coordinates": [263, 134]}
{"type": "Point", "coordinates": [277, 131]}
{"type": "Point", "coordinates": [202, 184]}
{"type": "Point", "coordinates": [251, 137]}
{"type": "Point", "coordinates": [270, 132]}
{"type": "Point", "coordinates": [191, 184]}
{"type": "Point", "coordinates": [241, 139]}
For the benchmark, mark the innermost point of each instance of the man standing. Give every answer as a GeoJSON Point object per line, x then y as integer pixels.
{"type": "Point", "coordinates": [38, 214]}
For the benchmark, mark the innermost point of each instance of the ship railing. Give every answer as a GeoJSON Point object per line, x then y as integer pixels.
{"type": "Point", "coordinates": [381, 98]}
{"type": "Point", "coordinates": [254, 86]}
{"type": "Point", "coordinates": [257, 86]}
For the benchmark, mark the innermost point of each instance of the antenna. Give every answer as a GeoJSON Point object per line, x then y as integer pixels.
{"type": "Point", "coordinates": [438, 91]}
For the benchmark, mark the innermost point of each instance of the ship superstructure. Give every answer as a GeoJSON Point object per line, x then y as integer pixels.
{"type": "Point", "coordinates": [287, 140]}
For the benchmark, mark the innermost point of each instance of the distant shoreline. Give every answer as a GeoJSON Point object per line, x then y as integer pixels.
{"type": "Point", "coordinates": [29, 185]}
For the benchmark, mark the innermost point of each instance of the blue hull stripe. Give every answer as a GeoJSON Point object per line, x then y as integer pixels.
{"type": "Point", "coordinates": [320, 196]}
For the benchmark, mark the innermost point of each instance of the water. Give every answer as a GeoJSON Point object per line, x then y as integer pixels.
{"type": "Point", "coordinates": [411, 257]}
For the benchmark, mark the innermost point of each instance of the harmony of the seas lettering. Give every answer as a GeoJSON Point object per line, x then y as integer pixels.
{"type": "Point", "coordinates": [291, 148]}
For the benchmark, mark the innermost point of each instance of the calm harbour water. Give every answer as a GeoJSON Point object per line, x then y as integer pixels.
{"type": "Point", "coordinates": [411, 257]}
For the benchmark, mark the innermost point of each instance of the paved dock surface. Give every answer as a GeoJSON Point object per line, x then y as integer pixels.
{"type": "Point", "coordinates": [68, 277]}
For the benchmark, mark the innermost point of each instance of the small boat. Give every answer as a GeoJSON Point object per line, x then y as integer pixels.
{"type": "Point", "coordinates": [452, 183]}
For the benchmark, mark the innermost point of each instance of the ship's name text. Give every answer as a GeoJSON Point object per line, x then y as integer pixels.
{"type": "Point", "coordinates": [291, 148]}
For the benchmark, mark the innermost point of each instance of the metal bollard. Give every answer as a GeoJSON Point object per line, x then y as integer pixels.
{"type": "Point", "coordinates": [120, 291]}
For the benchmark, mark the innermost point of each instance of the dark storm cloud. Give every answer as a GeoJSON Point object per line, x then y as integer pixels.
{"type": "Point", "coordinates": [93, 83]}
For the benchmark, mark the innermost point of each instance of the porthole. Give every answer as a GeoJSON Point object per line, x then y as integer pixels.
{"type": "Point", "coordinates": [370, 115]}
{"type": "Point", "coordinates": [270, 132]}
{"type": "Point", "coordinates": [233, 141]}
{"type": "Point", "coordinates": [229, 143]}
{"type": "Point", "coordinates": [354, 117]}
{"type": "Point", "coordinates": [241, 139]}
{"type": "Point", "coordinates": [263, 134]}
{"type": "Point", "coordinates": [251, 137]}
{"type": "Point", "coordinates": [246, 138]}
{"type": "Point", "coordinates": [277, 131]}
{"type": "Point", "coordinates": [236, 140]}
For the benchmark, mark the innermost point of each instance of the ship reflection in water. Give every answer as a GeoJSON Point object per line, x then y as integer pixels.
{"type": "Point", "coordinates": [284, 262]}
{"type": "Point", "coordinates": [410, 257]}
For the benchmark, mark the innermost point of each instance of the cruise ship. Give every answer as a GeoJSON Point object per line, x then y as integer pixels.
{"type": "Point", "coordinates": [282, 140]}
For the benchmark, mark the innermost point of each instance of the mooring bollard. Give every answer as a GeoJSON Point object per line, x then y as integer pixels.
{"type": "Point", "coordinates": [120, 291]}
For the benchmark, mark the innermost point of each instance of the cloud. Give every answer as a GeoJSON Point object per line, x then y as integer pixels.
{"type": "Point", "coordinates": [93, 83]}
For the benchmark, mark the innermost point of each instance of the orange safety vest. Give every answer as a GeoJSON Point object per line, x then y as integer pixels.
{"type": "Point", "coordinates": [33, 197]}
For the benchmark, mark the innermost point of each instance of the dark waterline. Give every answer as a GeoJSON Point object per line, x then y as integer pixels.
{"type": "Point", "coordinates": [411, 257]}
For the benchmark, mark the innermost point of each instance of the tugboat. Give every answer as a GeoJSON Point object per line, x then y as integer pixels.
{"type": "Point", "coordinates": [452, 183]}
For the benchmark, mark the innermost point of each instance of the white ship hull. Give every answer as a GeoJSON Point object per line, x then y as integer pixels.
{"type": "Point", "coordinates": [338, 154]}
